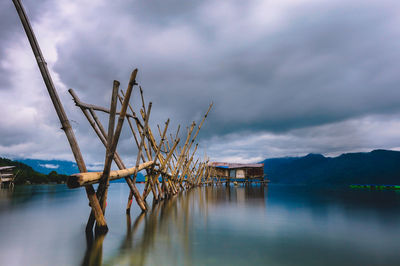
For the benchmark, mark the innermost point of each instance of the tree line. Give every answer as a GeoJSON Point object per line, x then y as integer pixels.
{"type": "Point", "coordinates": [25, 174]}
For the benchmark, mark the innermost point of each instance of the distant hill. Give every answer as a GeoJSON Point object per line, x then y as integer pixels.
{"type": "Point", "coordinates": [46, 166]}
{"type": "Point", "coordinates": [376, 167]}
{"type": "Point", "coordinates": [26, 174]}
{"type": "Point", "coordinates": [61, 167]}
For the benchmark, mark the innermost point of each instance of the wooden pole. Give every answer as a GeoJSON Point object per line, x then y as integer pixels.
{"type": "Point", "coordinates": [183, 152]}
{"type": "Point", "coordinates": [105, 179]}
{"type": "Point", "coordinates": [94, 203]}
{"type": "Point", "coordinates": [142, 141]}
{"type": "Point", "coordinates": [140, 130]}
{"type": "Point", "coordinates": [200, 125]}
{"type": "Point", "coordinates": [154, 176]}
{"type": "Point", "coordinates": [97, 127]}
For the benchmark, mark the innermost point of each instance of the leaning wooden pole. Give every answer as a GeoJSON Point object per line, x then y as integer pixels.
{"type": "Point", "coordinates": [105, 179]}
{"type": "Point", "coordinates": [94, 203]}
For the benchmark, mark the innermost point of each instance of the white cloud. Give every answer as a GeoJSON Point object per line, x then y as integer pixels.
{"type": "Point", "coordinates": [363, 134]}
{"type": "Point", "coordinates": [50, 166]}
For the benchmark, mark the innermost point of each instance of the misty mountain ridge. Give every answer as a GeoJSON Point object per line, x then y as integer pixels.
{"type": "Point", "coordinates": [375, 167]}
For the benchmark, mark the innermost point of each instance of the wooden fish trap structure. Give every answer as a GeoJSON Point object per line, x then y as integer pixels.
{"type": "Point", "coordinates": [170, 168]}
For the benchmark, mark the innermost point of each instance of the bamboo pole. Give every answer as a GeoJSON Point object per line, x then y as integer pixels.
{"type": "Point", "coordinates": [165, 188]}
{"type": "Point", "coordinates": [156, 156]}
{"type": "Point", "coordinates": [100, 131]}
{"type": "Point", "coordinates": [97, 127]}
{"type": "Point", "coordinates": [140, 129]}
{"type": "Point", "coordinates": [133, 131]}
{"type": "Point", "coordinates": [120, 164]}
{"type": "Point", "coordinates": [182, 153]}
{"type": "Point", "coordinates": [177, 131]}
{"type": "Point", "coordinates": [104, 181]}
{"type": "Point", "coordinates": [188, 165]}
{"type": "Point", "coordinates": [142, 141]}
{"type": "Point", "coordinates": [134, 191]}
{"type": "Point", "coordinates": [200, 125]}
{"type": "Point", "coordinates": [139, 126]}
{"type": "Point", "coordinates": [195, 135]}
{"type": "Point", "coordinates": [167, 164]}
{"type": "Point", "coordinates": [141, 96]}
{"type": "Point", "coordinates": [94, 203]}
{"type": "Point", "coordinates": [88, 106]}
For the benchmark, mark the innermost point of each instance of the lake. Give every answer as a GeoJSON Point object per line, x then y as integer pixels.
{"type": "Point", "coordinates": [256, 225]}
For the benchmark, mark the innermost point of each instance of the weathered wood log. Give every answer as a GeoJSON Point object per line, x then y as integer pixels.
{"type": "Point", "coordinates": [82, 179]}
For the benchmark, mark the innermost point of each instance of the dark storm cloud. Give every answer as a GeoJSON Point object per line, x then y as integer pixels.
{"type": "Point", "coordinates": [325, 63]}
{"type": "Point", "coordinates": [278, 67]}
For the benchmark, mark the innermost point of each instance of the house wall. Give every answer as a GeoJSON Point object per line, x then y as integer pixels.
{"type": "Point", "coordinates": [254, 172]}
{"type": "Point", "coordinates": [240, 173]}
{"type": "Point", "coordinates": [215, 171]}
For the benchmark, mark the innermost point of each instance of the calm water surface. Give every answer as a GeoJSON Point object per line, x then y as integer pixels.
{"type": "Point", "coordinates": [278, 225]}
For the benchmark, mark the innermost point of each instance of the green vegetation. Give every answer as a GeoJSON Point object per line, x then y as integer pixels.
{"type": "Point", "coordinates": [25, 174]}
{"type": "Point", "coordinates": [376, 187]}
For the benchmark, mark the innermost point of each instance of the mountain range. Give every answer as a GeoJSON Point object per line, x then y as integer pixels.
{"type": "Point", "coordinates": [375, 167]}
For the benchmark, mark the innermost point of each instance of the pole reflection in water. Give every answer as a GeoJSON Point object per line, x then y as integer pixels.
{"type": "Point", "coordinates": [94, 251]}
{"type": "Point", "coordinates": [166, 234]}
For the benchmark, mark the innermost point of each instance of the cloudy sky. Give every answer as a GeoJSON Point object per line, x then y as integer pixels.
{"type": "Point", "coordinates": [286, 77]}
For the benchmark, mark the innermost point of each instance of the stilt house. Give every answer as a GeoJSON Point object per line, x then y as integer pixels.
{"type": "Point", "coordinates": [238, 171]}
{"type": "Point", "coordinates": [6, 175]}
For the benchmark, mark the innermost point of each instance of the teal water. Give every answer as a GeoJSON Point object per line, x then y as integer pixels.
{"type": "Point", "coordinates": [278, 225]}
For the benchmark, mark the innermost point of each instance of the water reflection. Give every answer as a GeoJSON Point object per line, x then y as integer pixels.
{"type": "Point", "coordinates": [166, 232]}
{"type": "Point", "coordinates": [241, 195]}
{"type": "Point", "coordinates": [253, 225]}
{"type": "Point", "coordinates": [94, 249]}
